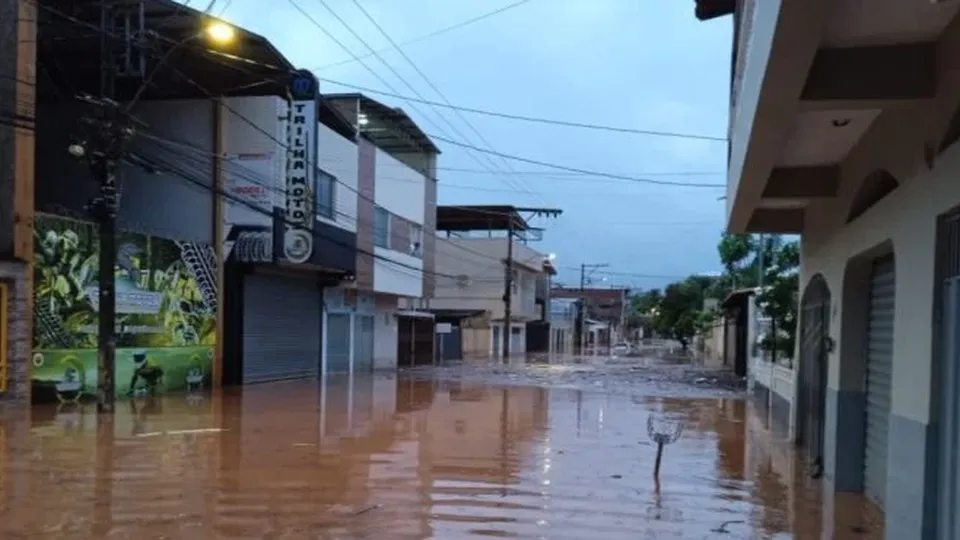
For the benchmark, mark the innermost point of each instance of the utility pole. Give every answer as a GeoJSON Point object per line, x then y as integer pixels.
{"type": "Point", "coordinates": [105, 135]}
{"type": "Point", "coordinates": [584, 276]}
{"type": "Point", "coordinates": [514, 221]}
{"type": "Point", "coordinates": [508, 292]}
{"type": "Point", "coordinates": [104, 147]}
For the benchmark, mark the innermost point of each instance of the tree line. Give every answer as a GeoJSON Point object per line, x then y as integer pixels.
{"type": "Point", "coordinates": [770, 262]}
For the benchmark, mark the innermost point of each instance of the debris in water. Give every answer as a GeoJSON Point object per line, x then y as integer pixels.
{"type": "Point", "coordinates": [723, 526]}
{"type": "Point", "coordinates": [367, 509]}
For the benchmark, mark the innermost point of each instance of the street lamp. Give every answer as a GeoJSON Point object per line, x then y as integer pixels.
{"type": "Point", "coordinates": [221, 32]}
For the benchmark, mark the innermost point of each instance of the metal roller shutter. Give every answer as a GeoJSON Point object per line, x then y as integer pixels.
{"type": "Point", "coordinates": [363, 344]}
{"type": "Point", "coordinates": [281, 328]}
{"type": "Point", "coordinates": [338, 342]}
{"type": "Point", "coordinates": [879, 371]}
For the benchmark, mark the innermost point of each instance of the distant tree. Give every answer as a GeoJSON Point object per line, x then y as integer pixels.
{"type": "Point", "coordinates": [778, 298]}
{"type": "Point", "coordinates": [646, 301]}
{"type": "Point", "coordinates": [642, 305]}
{"type": "Point", "coordinates": [680, 313]}
{"type": "Point", "coordinates": [743, 265]}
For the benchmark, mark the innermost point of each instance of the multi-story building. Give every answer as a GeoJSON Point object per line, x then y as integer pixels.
{"type": "Point", "coordinates": [392, 199]}
{"type": "Point", "coordinates": [262, 236]}
{"type": "Point", "coordinates": [471, 264]}
{"type": "Point", "coordinates": [601, 305]}
{"type": "Point", "coordinates": [843, 129]}
{"type": "Point", "coordinates": [221, 257]}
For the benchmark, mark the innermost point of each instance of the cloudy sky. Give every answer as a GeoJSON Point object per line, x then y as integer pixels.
{"type": "Point", "coordinates": [640, 64]}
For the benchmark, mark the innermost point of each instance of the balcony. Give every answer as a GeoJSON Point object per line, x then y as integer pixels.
{"type": "Point", "coordinates": [817, 89]}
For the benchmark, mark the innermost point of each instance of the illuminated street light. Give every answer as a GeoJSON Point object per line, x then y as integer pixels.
{"type": "Point", "coordinates": [221, 32]}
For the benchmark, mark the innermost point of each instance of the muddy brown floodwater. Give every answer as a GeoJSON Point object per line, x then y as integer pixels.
{"type": "Point", "coordinates": [400, 457]}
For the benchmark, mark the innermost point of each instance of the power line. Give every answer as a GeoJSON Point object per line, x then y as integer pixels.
{"type": "Point", "coordinates": [576, 169]}
{"type": "Point", "coordinates": [377, 75]}
{"type": "Point", "coordinates": [437, 90]}
{"type": "Point", "coordinates": [239, 171]}
{"type": "Point", "coordinates": [533, 119]}
{"type": "Point", "coordinates": [555, 174]}
{"type": "Point", "coordinates": [176, 170]}
{"type": "Point", "coordinates": [633, 274]}
{"type": "Point", "coordinates": [264, 182]}
{"type": "Point", "coordinates": [233, 111]}
{"type": "Point", "coordinates": [424, 37]}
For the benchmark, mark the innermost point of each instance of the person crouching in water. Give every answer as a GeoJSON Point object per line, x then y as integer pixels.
{"type": "Point", "coordinates": [151, 374]}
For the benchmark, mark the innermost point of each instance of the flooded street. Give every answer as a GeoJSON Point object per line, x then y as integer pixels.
{"type": "Point", "coordinates": [413, 456]}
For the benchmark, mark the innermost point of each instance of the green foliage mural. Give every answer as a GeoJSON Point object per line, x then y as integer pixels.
{"type": "Point", "coordinates": [166, 312]}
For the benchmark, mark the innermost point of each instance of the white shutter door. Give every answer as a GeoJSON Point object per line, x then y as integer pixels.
{"type": "Point", "coordinates": [879, 378]}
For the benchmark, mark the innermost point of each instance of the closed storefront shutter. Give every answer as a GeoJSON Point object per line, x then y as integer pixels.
{"type": "Point", "coordinates": [281, 328]}
{"type": "Point", "coordinates": [879, 370]}
{"type": "Point", "coordinates": [363, 344]}
{"type": "Point", "coordinates": [338, 342]}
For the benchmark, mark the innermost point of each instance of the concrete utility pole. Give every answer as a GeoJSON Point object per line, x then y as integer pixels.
{"type": "Point", "coordinates": [584, 276]}
{"type": "Point", "coordinates": [105, 134]}
{"type": "Point", "coordinates": [508, 272]}
{"type": "Point", "coordinates": [103, 149]}
{"type": "Point", "coordinates": [508, 293]}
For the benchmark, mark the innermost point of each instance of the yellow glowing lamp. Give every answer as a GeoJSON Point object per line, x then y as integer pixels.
{"type": "Point", "coordinates": [220, 32]}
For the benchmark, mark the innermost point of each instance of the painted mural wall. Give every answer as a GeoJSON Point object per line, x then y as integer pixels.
{"type": "Point", "coordinates": [166, 312]}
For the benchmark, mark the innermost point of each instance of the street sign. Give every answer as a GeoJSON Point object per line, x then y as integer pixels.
{"type": "Point", "coordinates": [444, 328]}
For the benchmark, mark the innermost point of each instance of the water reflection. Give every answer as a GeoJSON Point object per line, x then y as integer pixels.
{"type": "Point", "coordinates": [382, 457]}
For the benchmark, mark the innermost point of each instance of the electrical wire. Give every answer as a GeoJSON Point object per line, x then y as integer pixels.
{"type": "Point", "coordinates": [556, 174]}
{"type": "Point", "coordinates": [574, 170]}
{"type": "Point", "coordinates": [252, 177]}
{"type": "Point", "coordinates": [447, 104]}
{"type": "Point", "coordinates": [236, 113]}
{"type": "Point", "coordinates": [424, 37]}
{"type": "Point", "coordinates": [489, 165]}
{"type": "Point", "coordinates": [426, 79]}
{"type": "Point", "coordinates": [162, 165]}
{"type": "Point", "coordinates": [532, 119]}
{"type": "Point", "coordinates": [578, 170]}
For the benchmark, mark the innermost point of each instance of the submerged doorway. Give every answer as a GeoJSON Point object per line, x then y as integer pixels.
{"type": "Point", "coordinates": [811, 397]}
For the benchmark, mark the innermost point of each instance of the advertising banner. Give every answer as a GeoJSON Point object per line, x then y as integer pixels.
{"type": "Point", "coordinates": [248, 221]}
{"type": "Point", "coordinates": [166, 312]}
{"type": "Point", "coordinates": [301, 168]}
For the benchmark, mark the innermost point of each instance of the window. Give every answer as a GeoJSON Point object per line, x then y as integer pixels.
{"type": "Point", "coordinates": [326, 194]}
{"type": "Point", "coordinates": [381, 227]}
{"type": "Point", "coordinates": [416, 240]}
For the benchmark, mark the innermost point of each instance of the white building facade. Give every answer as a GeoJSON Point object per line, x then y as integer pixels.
{"type": "Point", "coordinates": [843, 129]}
{"type": "Point", "coordinates": [391, 166]}
{"type": "Point", "coordinates": [470, 279]}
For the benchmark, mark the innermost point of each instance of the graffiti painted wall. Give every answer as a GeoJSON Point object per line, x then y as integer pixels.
{"type": "Point", "coordinates": [166, 312]}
